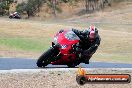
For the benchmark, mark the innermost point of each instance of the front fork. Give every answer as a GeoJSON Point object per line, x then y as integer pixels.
{"type": "Point", "coordinates": [56, 52]}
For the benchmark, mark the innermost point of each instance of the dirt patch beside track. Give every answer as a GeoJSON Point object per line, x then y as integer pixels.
{"type": "Point", "coordinates": [56, 78]}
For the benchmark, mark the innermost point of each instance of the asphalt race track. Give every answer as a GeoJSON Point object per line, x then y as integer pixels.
{"type": "Point", "coordinates": [21, 63]}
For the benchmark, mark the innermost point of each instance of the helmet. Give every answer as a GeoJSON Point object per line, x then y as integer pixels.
{"type": "Point", "coordinates": [93, 32]}
{"type": "Point", "coordinates": [15, 12]}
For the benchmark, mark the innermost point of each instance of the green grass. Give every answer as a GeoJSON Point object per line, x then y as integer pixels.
{"type": "Point", "coordinates": [26, 44]}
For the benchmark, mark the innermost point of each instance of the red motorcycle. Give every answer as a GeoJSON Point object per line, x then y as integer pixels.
{"type": "Point", "coordinates": [64, 50]}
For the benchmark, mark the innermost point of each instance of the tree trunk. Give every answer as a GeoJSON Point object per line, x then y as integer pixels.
{"type": "Point", "coordinates": [86, 5]}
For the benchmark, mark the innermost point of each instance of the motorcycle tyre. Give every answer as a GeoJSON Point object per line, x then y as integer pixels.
{"type": "Point", "coordinates": [42, 61]}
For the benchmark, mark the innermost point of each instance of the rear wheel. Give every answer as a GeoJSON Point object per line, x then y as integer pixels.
{"type": "Point", "coordinates": [46, 58]}
{"type": "Point", "coordinates": [74, 64]}
{"type": "Point", "coordinates": [71, 65]}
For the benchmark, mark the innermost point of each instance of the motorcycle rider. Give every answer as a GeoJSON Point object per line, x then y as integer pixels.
{"type": "Point", "coordinates": [15, 14]}
{"type": "Point", "coordinates": [89, 42]}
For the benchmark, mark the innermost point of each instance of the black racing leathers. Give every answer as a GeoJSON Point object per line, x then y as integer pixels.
{"type": "Point", "coordinates": [88, 47]}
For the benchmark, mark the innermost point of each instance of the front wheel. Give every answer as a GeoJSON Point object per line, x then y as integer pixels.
{"type": "Point", "coordinates": [10, 17]}
{"type": "Point", "coordinates": [45, 58]}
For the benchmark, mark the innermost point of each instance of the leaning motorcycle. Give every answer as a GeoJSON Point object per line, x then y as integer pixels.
{"type": "Point", "coordinates": [64, 50]}
{"type": "Point", "coordinates": [17, 16]}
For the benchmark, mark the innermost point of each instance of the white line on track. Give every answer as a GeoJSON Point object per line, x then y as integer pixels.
{"type": "Point", "coordinates": [57, 69]}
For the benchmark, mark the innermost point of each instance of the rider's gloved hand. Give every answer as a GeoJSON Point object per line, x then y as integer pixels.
{"type": "Point", "coordinates": [78, 49]}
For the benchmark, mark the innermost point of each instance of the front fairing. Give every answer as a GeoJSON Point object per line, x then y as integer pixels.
{"type": "Point", "coordinates": [66, 39]}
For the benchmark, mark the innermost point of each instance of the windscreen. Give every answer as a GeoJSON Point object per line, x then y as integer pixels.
{"type": "Point", "coordinates": [70, 35]}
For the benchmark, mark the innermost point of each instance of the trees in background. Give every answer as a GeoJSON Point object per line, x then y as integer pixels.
{"type": "Point", "coordinates": [4, 6]}
{"type": "Point", "coordinates": [92, 5]}
{"type": "Point", "coordinates": [31, 7]}
{"type": "Point", "coordinates": [54, 5]}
